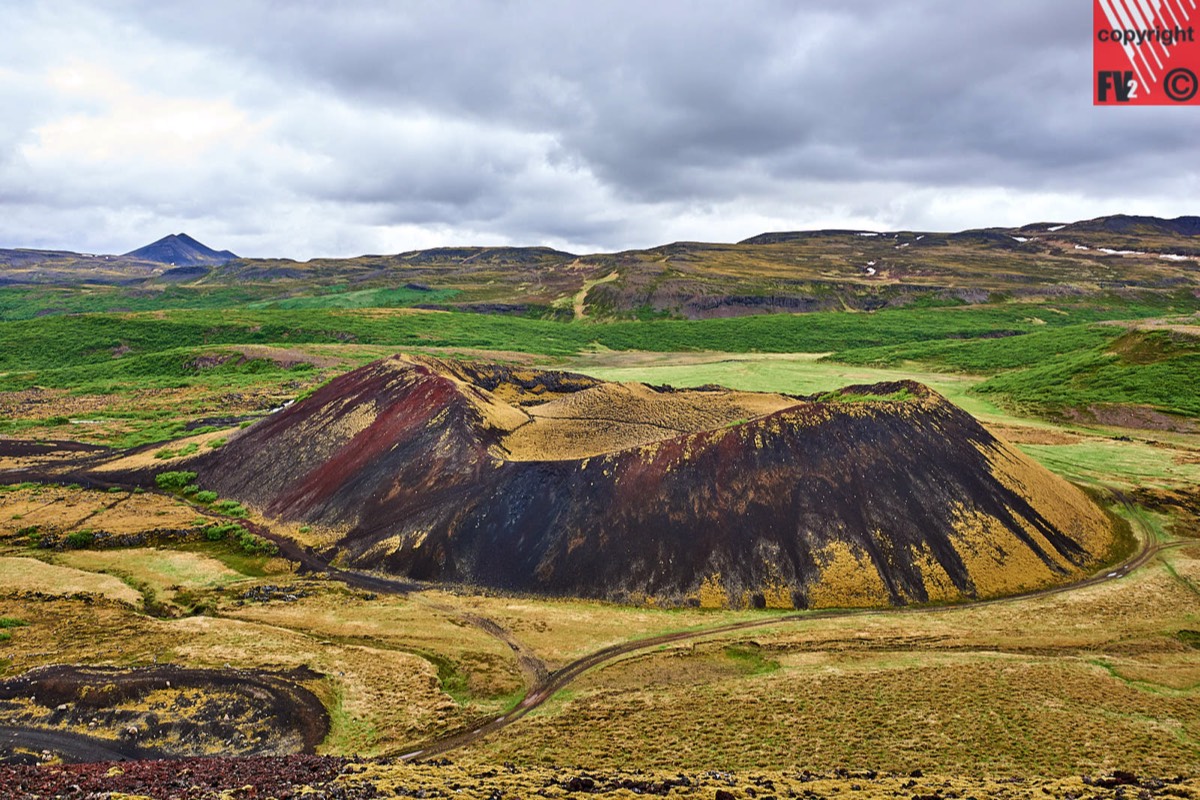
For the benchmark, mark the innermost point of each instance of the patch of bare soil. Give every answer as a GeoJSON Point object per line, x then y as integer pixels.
{"type": "Point", "coordinates": [613, 417]}
{"type": "Point", "coordinates": [87, 713]}
{"type": "Point", "coordinates": [283, 356]}
{"type": "Point", "coordinates": [40, 404]}
{"type": "Point", "coordinates": [20, 456]}
{"type": "Point", "coordinates": [1127, 416]}
{"type": "Point", "coordinates": [1024, 434]}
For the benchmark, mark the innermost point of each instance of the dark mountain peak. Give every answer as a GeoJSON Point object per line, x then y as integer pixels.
{"type": "Point", "coordinates": [179, 249]}
{"type": "Point", "coordinates": [1126, 224]}
{"type": "Point", "coordinates": [779, 237]}
{"type": "Point", "coordinates": [1130, 224]}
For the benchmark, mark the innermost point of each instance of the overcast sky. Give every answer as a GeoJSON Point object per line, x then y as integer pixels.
{"type": "Point", "coordinates": [306, 129]}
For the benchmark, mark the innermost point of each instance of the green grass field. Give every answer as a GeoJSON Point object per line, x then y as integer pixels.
{"type": "Point", "coordinates": [993, 360]}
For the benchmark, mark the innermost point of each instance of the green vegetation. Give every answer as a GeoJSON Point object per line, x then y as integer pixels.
{"type": "Point", "coordinates": [1047, 357]}
{"type": "Point", "coordinates": [174, 481]}
{"type": "Point", "coordinates": [204, 496]}
{"type": "Point", "coordinates": [93, 348]}
{"type": "Point", "coordinates": [80, 539]}
{"type": "Point", "coordinates": [750, 660]}
{"type": "Point", "coordinates": [230, 508]}
{"type": "Point", "coordinates": [1071, 367]}
{"type": "Point", "coordinates": [20, 303]}
{"type": "Point", "coordinates": [187, 450]}
{"type": "Point", "coordinates": [169, 369]}
{"type": "Point", "coordinates": [247, 542]}
{"type": "Point", "coordinates": [365, 298]}
{"type": "Point", "coordinates": [1102, 376]}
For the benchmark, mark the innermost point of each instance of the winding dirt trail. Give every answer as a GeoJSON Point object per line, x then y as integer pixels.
{"type": "Point", "coordinates": [579, 302]}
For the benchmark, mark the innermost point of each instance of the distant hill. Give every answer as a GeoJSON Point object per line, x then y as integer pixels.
{"type": "Point", "coordinates": [181, 250]}
{"type": "Point", "coordinates": [1125, 224]}
{"type": "Point", "coordinates": [1131, 257]}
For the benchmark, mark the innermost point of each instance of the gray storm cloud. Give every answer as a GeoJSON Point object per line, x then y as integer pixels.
{"type": "Point", "coordinates": [307, 129]}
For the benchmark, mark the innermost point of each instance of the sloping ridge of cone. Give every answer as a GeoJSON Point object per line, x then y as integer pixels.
{"type": "Point", "coordinates": [466, 473]}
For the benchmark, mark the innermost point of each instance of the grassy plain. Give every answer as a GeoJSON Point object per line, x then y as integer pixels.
{"type": "Point", "coordinates": [1075, 683]}
{"type": "Point", "coordinates": [131, 378]}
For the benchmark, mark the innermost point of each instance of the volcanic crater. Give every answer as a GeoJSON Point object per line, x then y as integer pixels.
{"type": "Point", "coordinates": [559, 484]}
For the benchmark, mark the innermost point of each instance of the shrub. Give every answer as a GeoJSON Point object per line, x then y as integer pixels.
{"type": "Point", "coordinates": [12, 622]}
{"type": "Point", "coordinates": [173, 481]}
{"type": "Point", "coordinates": [115, 489]}
{"type": "Point", "coordinates": [204, 496]}
{"type": "Point", "coordinates": [189, 490]}
{"type": "Point", "coordinates": [256, 545]}
{"type": "Point", "coordinates": [84, 538]}
{"type": "Point", "coordinates": [186, 450]}
{"type": "Point", "coordinates": [230, 508]}
{"type": "Point", "coordinates": [215, 443]}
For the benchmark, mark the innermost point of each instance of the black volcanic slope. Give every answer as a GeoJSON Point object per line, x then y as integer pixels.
{"type": "Point", "coordinates": [560, 484]}
{"type": "Point", "coordinates": [181, 250]}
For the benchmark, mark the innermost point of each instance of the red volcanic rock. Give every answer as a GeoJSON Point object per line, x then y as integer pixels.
{"type": "Point", "coordinates": [187, 779]}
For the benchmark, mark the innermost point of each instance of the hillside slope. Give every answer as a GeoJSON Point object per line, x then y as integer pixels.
{"type": "Point", "coordinates": [559, 484]}
{"type": "Point", "coordinates": [1118, 257]}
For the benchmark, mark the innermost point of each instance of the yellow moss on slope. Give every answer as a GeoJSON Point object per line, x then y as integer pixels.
{"type": "Point", "coordinates": [848, 579]}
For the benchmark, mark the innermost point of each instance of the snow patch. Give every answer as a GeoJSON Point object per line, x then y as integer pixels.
{"type": "Point", "coordinates": [1020, 239]}
{"type": "Point", "coordinates": [1082, 247]}
{"type": "Point", "coordinates": [1175, 257]}
{"type": "Point", "coordinates": [867, 233]}
{"type": "Point", "coordinates": [1121, 252]}
{"type": "Point", "coordinates": [1056, 228]}
{"type": "Point", "coordinates": [870, 270]}
{"type": "Point", "coordinates": [282, 407]}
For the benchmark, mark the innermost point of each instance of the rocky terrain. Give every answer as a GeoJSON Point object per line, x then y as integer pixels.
{"type": "Point", "coordinates": [327, 778]}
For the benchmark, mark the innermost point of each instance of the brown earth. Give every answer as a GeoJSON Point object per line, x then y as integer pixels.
{"type": "Point", "coordinates": [436, 471]}
{"type": "Point", "coordinates": [348, 779]}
